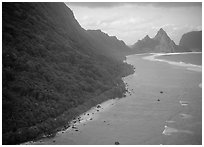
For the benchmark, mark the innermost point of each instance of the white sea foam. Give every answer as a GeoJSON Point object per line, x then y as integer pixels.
{"type": "Point", "coordinates": [189, 66]}
{"type": "Point", "coordinates": [183, 103]}
{"type": "Point", "coordinates": [170, 131]}
{"type": "Point", "coordinates": [200, 85]}
{"type": "Point", "coordinates": [198, 69]}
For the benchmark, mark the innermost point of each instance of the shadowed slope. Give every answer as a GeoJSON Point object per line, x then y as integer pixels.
{"type": "Point", "coordinates": [52, 71]}
{"type": "Point", "coordinates": [192, 41]}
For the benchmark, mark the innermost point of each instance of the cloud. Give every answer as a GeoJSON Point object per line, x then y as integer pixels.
{"type": "Point", "coordinates": [117, 4]}
{"type": "Point", "coordinates": [132, 21]}
{"type": "Point", "coordinates": [163, 26]}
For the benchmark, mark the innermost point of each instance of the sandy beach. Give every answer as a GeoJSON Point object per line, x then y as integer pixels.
{"type": "Point", "coordinates": [163, 106]}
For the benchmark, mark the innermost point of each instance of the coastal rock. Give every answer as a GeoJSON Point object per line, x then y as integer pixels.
{"type": "Point", "coordinates": [98, 106]}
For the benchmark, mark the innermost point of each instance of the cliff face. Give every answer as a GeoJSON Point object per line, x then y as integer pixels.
{"type": "Point", "coordinates": [192, 41]}
{"type": "Point", "coordinates": [50, 67]}
{"type": "Point", "coordinates": [160, 43]}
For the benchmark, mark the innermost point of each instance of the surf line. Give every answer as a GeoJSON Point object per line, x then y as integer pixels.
{"type": "Point", "coordinates": [189, 66]}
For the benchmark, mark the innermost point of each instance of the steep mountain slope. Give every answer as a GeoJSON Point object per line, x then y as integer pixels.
{"type": "Point", "coordinates": [52, 70]}
{"type": "Point", "coordinates": [165, 43]}
{"type": "Point", "coordinates": [110, 45]}
{"type": "Point", "coordinates": [192, 41]}
{"type": "Point", "coordinates": [160, 43]}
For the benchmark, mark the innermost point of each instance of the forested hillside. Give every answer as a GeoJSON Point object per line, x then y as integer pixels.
{"type": "Point", "coordinates": [110, 45]}
{"type": "Point", "coordinates": [52, 70]}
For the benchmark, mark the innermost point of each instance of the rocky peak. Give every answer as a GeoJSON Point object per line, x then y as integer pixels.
{"type": "Point", "coordinates": [161, 34]}
{"type": "Point", "coordinates": [160, 43]}
{"type": "Point", "coordinates": [161, 31]}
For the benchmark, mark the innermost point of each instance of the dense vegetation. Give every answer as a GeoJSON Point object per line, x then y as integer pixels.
{"type": "Point", "coordinates": [110, 45]}
{"type": "Point", "coordinates": [51, 70]}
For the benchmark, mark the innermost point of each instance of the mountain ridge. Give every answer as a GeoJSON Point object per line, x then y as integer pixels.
{"type": "Point", "coordinates": [160, 43]}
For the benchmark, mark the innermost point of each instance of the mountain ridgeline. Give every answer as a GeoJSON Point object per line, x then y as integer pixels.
{"type": "Point", "coordinates": [162, 43]}
{"type": "Point", "coordinates": [53, 69]}
{"type": "Point", "coordinates": [110, 45]}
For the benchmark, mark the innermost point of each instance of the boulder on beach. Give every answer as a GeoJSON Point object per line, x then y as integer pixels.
{"type": "Point", "coordinates": [73, 127]}
{"type": "Point", "coordinates": [117, 143]}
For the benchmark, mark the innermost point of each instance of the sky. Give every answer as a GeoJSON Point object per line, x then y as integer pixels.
{"type": "Point", "coordinates": [133, 21]}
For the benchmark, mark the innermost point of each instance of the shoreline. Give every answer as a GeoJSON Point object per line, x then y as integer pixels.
{"type": "Point", "coordinates": [85, 116]}
{"type": "Point", "coordinates": [81, 119]}
{"type": "Point", "coordinates": [118, 120]}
